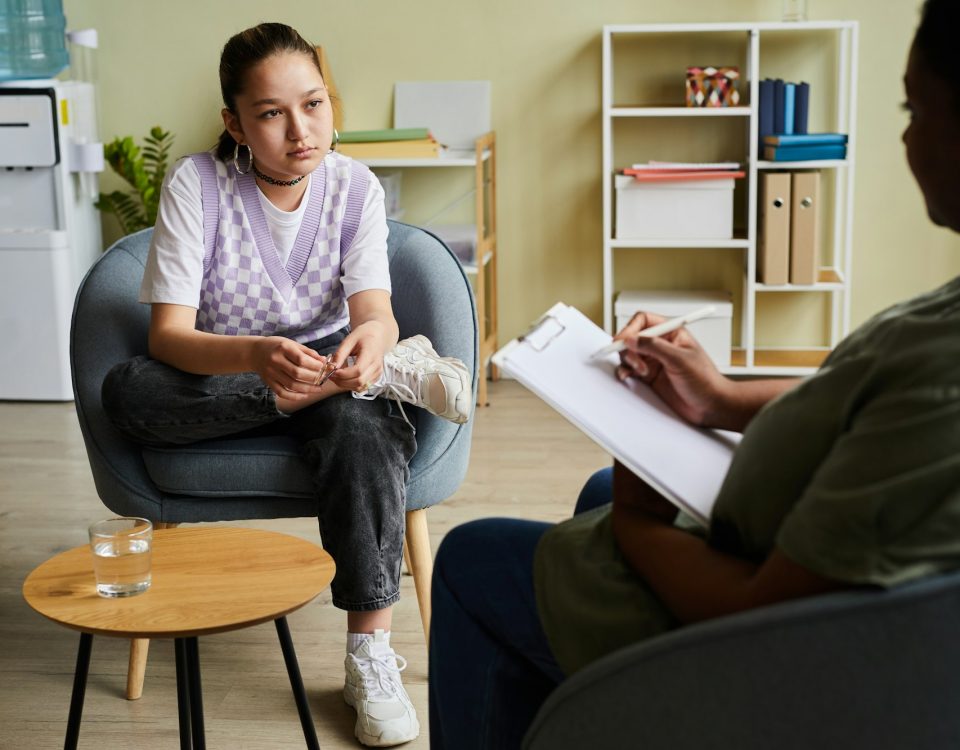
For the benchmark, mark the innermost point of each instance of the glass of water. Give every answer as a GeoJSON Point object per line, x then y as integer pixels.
{"type": "Point", "coordinates": [121, 555]}
{"type": "Point", "coordinates": [794, 10]}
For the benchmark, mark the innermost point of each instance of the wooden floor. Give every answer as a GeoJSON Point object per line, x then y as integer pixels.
{"type": "Point", "coordinates": [527, 462]}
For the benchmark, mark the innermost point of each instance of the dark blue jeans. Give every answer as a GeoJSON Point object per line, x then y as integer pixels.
{"type": "Point", "coordinates": [491, 667]}
{"type": "Point", "coordinates": [357, 451]}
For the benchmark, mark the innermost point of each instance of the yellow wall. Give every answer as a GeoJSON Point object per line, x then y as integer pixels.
{"type": "Point", "coordinates": [158, 65]}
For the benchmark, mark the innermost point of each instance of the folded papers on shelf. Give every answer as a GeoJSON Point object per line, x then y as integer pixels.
{"type": "Point", "coordinates": [659, 171]}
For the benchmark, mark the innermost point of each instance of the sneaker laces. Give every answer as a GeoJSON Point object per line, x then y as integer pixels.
{"type": "Point", "coordinates": [380, 678]}
{"type": "Point", "coordinates": [399, 391]}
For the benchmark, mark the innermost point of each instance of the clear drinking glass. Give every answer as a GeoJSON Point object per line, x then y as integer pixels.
{"type": "Point", "coordinates": [794, 10]}
{"type": "Point", "coordinates": [121, 555]}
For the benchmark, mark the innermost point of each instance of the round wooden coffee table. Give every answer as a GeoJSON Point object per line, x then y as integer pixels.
{"type": "Point", "coordinates": [205, 580]}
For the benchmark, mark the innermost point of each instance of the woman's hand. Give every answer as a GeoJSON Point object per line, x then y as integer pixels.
{"type": "Point", "coordinates": [367, 344]}
{"type": "Point", "coordinates": [678, 370]}
{"type": "Point", "coordinates": [289, 369]}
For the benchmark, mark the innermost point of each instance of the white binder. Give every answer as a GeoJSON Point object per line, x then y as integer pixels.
{"type": "Point", "coordinates": [685, 464]}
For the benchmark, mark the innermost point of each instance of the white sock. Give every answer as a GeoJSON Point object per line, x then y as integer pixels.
{"type": "Point", "coordinates": [355, 640]}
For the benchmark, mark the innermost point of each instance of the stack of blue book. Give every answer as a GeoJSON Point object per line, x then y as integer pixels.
{"type": "Point", "coordinates": [807, 147]}
{"type": "Point", "coordinates": [784, 107]}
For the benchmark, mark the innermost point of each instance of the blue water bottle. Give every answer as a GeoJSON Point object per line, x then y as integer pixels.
{"type": "Point", "coordinates": [32, 39]}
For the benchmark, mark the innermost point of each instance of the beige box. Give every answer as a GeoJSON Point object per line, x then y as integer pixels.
{"type": "Point", "coordinates": [713, 333]}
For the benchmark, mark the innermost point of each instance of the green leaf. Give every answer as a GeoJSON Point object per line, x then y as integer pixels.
{"type": "Point", "coordinates": [144, 170]}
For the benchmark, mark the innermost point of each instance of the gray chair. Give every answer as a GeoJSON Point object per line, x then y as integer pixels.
{"type": "Point", "coordinates": [252, 478]}
{"type": "Point", "coordinates": [857, 670]}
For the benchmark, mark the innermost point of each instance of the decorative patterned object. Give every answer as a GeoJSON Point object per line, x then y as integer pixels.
{"type": "Point", "coordinates": [712, 87]}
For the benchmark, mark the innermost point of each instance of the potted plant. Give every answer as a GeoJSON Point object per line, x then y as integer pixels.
{"type": "Point", "coordinates": [144, 170]}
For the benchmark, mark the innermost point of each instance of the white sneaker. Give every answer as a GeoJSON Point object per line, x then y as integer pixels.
{"type": "Point", "coordinates": [414, 373]}
{"type": "Point", "coordinates": [385, 715]}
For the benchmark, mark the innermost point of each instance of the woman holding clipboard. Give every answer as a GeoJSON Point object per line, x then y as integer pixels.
{"type": "Point", "coordinates": [846, 479]}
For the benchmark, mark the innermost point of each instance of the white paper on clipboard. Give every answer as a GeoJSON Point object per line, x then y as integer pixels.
{"type": "Point", "coordinates": [685, 464]}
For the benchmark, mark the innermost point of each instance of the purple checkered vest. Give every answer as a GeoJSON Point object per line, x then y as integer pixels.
{"type": "Point", "coordinates": [246, 289]}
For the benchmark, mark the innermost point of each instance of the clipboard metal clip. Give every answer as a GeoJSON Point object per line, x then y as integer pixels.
{"type": "Point", "coordinates": [542, 332]}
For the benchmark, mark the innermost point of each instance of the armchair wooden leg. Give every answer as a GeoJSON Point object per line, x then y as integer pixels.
{"type": "Point", "coordinates": [137, 666]}
{"type": "Point", "coordinates": [418, 546]}
{"type": "Point", "coordinates": [139, 647]}
{"type": "Point", "coordinates": [408, 567]}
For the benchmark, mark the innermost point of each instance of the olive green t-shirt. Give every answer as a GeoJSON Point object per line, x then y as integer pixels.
{"type": "Point", "coordinates": [854, 474]}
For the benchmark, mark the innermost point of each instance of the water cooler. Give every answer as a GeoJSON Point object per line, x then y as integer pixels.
{"type": "Point", "coordinates": [49, 228]}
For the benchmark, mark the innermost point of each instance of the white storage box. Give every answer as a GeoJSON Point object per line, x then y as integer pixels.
{"type": "Point", "coordinates": [686, 209]}
{"type": "Point", "coordinates": [713, 333]}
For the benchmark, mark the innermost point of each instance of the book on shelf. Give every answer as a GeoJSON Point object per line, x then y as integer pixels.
{"type": "Point", "coordinates": [778, 105]}
{"type": "Point", "coordinates": [641, 175]}
{"type": "Point", "coordinates": [385, 134]}
{"type": "Point", "coordinates": [766, 108]}
{"type": "Point", "coordinates": [665, 171]}
{"type": "Point", "coordinates": [809, 139]}
{"type": "Point", "coordinates": [684, 166]}
{"type": "Point", "coordinates": [425, 148]}
{"type": "Point", "coordinates": [773, 247]}
{"type": "Point", "coordinates": [789, 105]}
{"type": "Point", "coordinates": [804, 227]}
{"type": "Point", "coordinates": [801, 108]}
{"type": "Point", "coordinates": [805, 153]}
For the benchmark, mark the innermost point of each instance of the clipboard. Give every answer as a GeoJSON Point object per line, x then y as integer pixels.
{"type": "Point", "coordinates": [686, 464]}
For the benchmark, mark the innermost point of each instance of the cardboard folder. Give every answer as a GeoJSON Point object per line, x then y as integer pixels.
{"type": "Point", "coordinates": [805, 227]}
{"type": "Point", "coordinates": [774, 256]}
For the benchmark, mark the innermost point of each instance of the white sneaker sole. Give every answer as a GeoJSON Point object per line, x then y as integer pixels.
{"type": "Point", "coordinates": [380, 740]}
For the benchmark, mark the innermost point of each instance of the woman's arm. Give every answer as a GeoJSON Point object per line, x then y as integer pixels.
{"type": "Point", "coordinates": [694, 580]}
{"type": "Point", "coordinates": [289, 369]}
{"type": "Point", "coordinates": [374, 332]}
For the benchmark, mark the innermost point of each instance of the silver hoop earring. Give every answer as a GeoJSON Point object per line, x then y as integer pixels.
{"type": "Point", "coordinates": [236, 159]}
{"type": "Point", "coordinates": [336, 140]}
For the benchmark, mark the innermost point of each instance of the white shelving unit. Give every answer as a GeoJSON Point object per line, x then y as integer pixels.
{"type": "Point", "coordinates": [483, 160]}
{"type": "Point", "coordinates": [753, 44]}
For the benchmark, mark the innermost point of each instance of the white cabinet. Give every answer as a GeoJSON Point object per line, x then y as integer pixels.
{"type": "Point", "coordinates": [483, 162]}
{"type": "Point", "coordinates": [778, 330]}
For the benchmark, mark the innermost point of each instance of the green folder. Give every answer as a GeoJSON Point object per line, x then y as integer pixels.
{"type": "Point", "coordinates": [388, 134]}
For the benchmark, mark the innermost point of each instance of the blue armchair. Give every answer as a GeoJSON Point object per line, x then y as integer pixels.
{"type": "Point", "coordinates": [870, 670]}
{"type": "Point", "coordinates": [251, 478]}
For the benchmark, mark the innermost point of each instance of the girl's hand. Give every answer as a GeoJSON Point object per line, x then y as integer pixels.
{"type": "Point", "coordinates": [677, 368]}
{"type": "Point", "coordinates": [367, 344]}
{"type": "Point", "coordinates": [289, 369]}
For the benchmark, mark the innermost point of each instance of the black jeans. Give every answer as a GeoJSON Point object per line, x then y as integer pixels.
{"type": "Point", "coordinates": [358, 452]}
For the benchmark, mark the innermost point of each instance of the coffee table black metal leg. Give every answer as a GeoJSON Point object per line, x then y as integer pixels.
{"type": "Point", "coordinates": [296, 683]}
{"type": "Point", "coordinates": [183, 693]}
{"type": "Point", "coordinates": [196, 695]}
{"type": "Point", "coordinates": [79, 689]}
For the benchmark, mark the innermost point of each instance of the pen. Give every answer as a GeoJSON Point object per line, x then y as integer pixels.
{"type": "Point", "coordinates": [658, 330]}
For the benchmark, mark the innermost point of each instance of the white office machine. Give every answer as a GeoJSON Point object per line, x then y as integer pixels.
{"type": "Point", "coordinates": [49, 228]}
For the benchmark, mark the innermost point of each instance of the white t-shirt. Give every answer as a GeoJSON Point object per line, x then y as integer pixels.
{"type": "Point", "coordinates": [174, 269]}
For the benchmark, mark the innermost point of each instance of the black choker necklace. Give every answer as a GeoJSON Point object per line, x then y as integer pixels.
{"type": "Point", "coordinates": [270, 180]}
